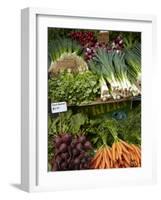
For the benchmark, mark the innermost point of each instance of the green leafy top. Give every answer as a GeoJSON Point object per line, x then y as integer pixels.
{"type": "Point", "coordinates": [75, 89]}
{"type": "Point", "coordinates": [99, 130]}
{"type": "Point", "coordinates": [115, 66]}
{"type": "Point", "coordinates": [66, 122]}
{"type": "Point", "coordinates": [58, 47]}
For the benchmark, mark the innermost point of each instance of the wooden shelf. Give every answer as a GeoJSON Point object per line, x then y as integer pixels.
{"type": "Point", "coordinates": [99, 102]}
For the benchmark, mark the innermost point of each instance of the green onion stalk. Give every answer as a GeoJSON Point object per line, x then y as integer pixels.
{"type": "Point", "coordinates": [97, 69]}
{"type": "Point", "coordinates": [120, 71]}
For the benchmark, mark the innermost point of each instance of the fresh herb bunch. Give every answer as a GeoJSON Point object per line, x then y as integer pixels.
{"type": "Point", "coordinates": [75, 89]}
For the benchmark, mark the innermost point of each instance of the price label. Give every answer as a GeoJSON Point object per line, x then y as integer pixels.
{"type": "Point", "coordinates": [58, 107]}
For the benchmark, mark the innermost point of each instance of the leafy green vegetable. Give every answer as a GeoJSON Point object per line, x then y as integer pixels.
{"type": "Point", "coordinates": [76, 122]}
{"type": "Point", "coordinates": [99, 131]}
{"type": "Point", "coordinates": [75, 89]}
{"type": "Point", "coordinates": [104, 130]}
{"type": "Point", "coordinates": [131, 39]}
{"type": "Point", "coordinates": [66, 122]}
{"type": "Point", "coordinates": [130, 129]}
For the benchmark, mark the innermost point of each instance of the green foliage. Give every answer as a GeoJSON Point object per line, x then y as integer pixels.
{"type": "Point", "coordinates": [130, 129]}
{"type": "Point", "coordinates": [66, 122]}
{"type": "Point", "coordinates": [133, 61]}
{"type": "Point", "coordinates": [75, 89]}
{"type": "Point", "coordinates": [129, 38]}
{"type": "Point", "coordinates": [76, 123]}
{"type": "Point", "coordinates": [117, 66]}
{"type": "Point", "coordinates": [101, 130]}
{"type": "Point", "coordinates": [58, 47]}
{"type": "Point", "coordinates": [56, 33]}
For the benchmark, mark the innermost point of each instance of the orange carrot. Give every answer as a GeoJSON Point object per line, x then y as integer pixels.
{"type": "Point", "coordinates": [126, 144]}
{"type": "Point", "coordinates": [126, 159]}
{"type": "Point", "coordinates": [136, 150]}
{"type": "Point", "coordinates": [124, 148]}
{"type": "Point", "coordinates": [107, 158]}
{"type": "Point", "coordinates": [113, 152]}
{"type": "Point", "coordinates": [109, 152]}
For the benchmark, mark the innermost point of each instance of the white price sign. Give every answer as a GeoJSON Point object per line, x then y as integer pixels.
{"type": "Point", "coordinates": [58, 107]}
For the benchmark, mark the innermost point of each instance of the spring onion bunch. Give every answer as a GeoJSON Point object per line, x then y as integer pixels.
{"type": "Point", "coordinates": [66, 54]}
{"type": "Point", "coordinates": [133, 60]}
{"type": "Point", "coordinates": [113, 70]}
{"type": "Point", "coordinates": [57, 48]}
{"type": "Point", "coordinates": [97, 69]}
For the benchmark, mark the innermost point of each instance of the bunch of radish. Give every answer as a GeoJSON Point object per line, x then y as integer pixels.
{"type": "Point", "coordinates": [116, 45]}
{"type": "Point", "coordinates": [91, 49]}
{"type": "Point", "coordinates": [83, 38]}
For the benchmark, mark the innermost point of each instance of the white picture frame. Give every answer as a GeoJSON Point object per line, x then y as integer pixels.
{"type": "Point", "coordinates": [34, 174]}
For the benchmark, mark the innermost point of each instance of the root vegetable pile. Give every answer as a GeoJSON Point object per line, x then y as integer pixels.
{"type": "Point", "coordinates": [102, 158]}
{"type": "Point", "coordinates": [120, 155]}
{"type": "Point", "coordinates": [71, 153]}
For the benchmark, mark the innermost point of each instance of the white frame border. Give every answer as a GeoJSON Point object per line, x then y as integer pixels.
{"type": "Point", "coordinates": [29, 85]}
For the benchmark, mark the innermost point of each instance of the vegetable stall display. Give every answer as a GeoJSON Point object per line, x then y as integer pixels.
{"type": "Point", "coordinates": [96, 77]}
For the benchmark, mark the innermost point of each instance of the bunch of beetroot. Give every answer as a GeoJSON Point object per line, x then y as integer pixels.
{"type": "Point", "coordinates": [83, 38]}
{"type": "Point", "coordinates": [71, 153]}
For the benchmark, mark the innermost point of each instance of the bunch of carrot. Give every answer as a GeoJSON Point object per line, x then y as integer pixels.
{"type": "Point", "coordinates": [102, 158]}
{"type": "Point", "coordinates": [120, 155]}
{"type": "Point", "coordinates": [125, 155]}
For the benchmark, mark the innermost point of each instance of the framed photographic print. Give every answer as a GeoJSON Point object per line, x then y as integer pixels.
{"type": "Point", "coordinates": [86, 108]}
